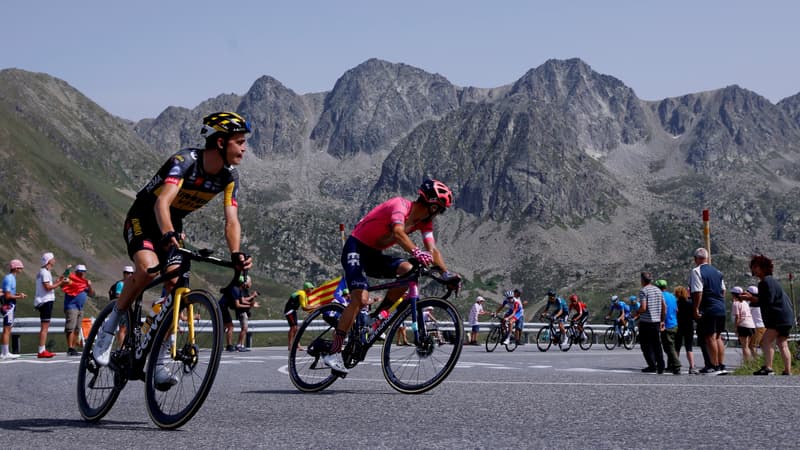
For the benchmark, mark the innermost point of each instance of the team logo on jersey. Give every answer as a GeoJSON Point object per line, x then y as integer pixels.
{"type": "Point", "coordinates": [353, 259]}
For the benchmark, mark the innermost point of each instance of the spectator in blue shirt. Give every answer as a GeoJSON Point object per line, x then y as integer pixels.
{"type": "Point", "coordinates": [669, 329]}
{"type": "Point", "coordinates": [10, 297]}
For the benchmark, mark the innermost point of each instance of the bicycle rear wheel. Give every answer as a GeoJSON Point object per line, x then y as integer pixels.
{"type": "Point", "coordinates": [175, 388]}
{"type": "Point", "coordinates": [98, 386]}
{"type": "Point", "coordinates": [543, 339]}
{"type": "Point", "coordinates": [306, 370]}
{"type": "Point", "coordinates": [610, 339]}
{"type": "Point", "coordinates": [493, 339]}
{"type": "Point", "coordinates": [421, 367]}
{"type": "Point", "coordinates": [588, 339]}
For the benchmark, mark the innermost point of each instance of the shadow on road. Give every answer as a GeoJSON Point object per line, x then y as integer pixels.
{"type": "Point", "coordinates": [48, 425]}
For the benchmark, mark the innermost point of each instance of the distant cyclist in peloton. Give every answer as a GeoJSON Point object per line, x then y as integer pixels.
{"type": "Point", "coordinates": [581, 313]}
{"type": "Point", "coordinates": [388, 224]}
{"type": "Point", "coordinates": [560, 310]}
{"type": "Point", "coordinates": [512, 316]}
{"type": "Point", "coordinates": [620, 312]}
{"type": "Point", "coordinates": [154, 225]}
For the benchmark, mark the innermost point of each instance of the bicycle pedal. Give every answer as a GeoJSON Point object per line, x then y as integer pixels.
{"type": "Point", "coordinates": [339, 374]}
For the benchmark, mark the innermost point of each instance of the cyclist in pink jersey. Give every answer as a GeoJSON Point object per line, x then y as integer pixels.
{"type": "Point", "coordinates": [388, 224]}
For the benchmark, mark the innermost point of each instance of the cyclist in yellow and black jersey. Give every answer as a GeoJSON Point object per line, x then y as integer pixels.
{"type": "Point", "coordinates": [186, 182]}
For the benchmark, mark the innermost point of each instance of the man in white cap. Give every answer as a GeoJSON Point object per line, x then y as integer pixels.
{"type": "Point", "coordinates": [474, 313]}
{"type": "Point", "coordinates": [10, 297]}
{"type": "Point", "coordinates": [116, 289]}
{"type": "Point", "coordinates": [76, 292]}
{"type": "Point", "coordinates": [708, 297]}
{"type": "Point", "coordinates": [44, 299]}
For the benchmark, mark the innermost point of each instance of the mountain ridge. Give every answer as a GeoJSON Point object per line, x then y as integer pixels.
{"type": "Point", "coordinates": [562, 178]}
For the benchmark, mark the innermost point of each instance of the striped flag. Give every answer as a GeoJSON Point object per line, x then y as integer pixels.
{"type": "Point", "coordinates": [324, 294]}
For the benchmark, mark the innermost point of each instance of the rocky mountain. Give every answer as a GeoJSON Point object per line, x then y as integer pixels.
{"type": "Point", "coordinates": [792, 107]}
{"type": "Point", "coordinates": [70, 169]}
{"type": "Point", "coordinates": [562, 178]}
{"type": "Point", "coordinates": [377, 102]}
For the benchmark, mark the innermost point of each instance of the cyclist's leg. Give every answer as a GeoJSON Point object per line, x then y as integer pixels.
{"type": "Point", "coordinates": [393, 294]}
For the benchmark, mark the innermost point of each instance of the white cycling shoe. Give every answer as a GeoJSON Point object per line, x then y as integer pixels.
{"type": "Point", "coordinates": [334, 361]}
{"type": "Point", "coordinates": [102, 347]}
{"type": "Point", "coordinates": [164, 378]}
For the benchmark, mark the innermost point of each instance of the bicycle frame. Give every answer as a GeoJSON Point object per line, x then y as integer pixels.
{"type": "Point", "coordinates": [409, 300]}
{"type": "Point", "coordinates": [143, 345]}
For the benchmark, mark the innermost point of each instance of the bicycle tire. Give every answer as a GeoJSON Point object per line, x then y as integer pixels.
{"type": "Point", "coordinates": [306, 370]}
{"type": "Point", "coordinates": [98, 386]}
{"type": "Point", "coordinates": [194, 367]}
{"type": "Point", "coordinates": [543, 339]}
{"type": "Point", "coordinates": [629, 341]}
{"type": "Point", "coordinates": [424, 365]}
{"type": "Point", "coordinates": [512, 345]}
{"type": "Point", "coordinates": [565, 343]}
{"type": "Point", "coordinates": [610, 339]}
{"type": "Point", "coordinates": [493, 339]}
{"type": "Point", "coordinates": [586, 344]}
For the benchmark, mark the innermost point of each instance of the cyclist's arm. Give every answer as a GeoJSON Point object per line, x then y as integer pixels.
{"type": "Point", "coordinates": [163, 217]}
{"type": "Point", "coordinates": [233, 229]}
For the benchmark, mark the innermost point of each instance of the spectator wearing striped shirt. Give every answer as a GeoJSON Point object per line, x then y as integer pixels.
{"type": "Point", "coordinates": [651, 323]}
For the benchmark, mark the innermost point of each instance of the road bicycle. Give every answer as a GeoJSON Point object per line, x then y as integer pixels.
{"type": "Point", "coordinates": [584, 340]}
{"type": "Point", "coordinates": [412, 369]}
{"type": "Point", "coordinates": [497, 335]}
{"type": "Point", "coordinates": [550, 334]}
{"type": "Point", "coordinates": [615, 335]}
{"type": "Point", "coordinates": [184, 338]}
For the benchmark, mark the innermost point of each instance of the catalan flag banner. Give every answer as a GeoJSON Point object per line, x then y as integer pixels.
{"type": "Point", "coordinates": [323, 294]}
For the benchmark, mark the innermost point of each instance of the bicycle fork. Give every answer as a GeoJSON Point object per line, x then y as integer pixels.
{"type": "Point", "coordinates": [176, 316]}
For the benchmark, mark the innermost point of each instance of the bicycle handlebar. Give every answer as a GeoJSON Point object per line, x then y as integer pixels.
{"type": "Point", "coordinates": [202, 255]}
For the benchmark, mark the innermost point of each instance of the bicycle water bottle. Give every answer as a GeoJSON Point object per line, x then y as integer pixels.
{"type": "Point", "coordinates": [148, 321]}
{"type": "Point", "coordinates": [379, 320]}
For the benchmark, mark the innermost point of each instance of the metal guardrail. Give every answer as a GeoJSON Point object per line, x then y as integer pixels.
{"type": "Point", "coordinates": [31, 325]}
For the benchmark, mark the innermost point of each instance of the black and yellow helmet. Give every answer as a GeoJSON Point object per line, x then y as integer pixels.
{"type": "Point", "coordinates": [224, 122]}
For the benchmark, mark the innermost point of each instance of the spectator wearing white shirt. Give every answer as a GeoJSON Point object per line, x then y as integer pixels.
{"type": "Point", "coordinates": [474, 313]}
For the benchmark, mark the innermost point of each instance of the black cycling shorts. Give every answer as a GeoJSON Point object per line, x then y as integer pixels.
{"type": "Point", "coordinates": [141, 231]}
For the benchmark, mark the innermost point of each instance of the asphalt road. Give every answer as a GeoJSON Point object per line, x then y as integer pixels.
{"type": "Point", "coordinates": [524, 399]}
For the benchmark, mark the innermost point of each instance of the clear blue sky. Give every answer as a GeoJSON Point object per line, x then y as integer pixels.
{"type": "Point", "coordinates": [135, 58]}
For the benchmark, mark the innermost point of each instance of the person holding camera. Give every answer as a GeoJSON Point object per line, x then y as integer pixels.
{"type": "Point", "coordinates": [244, 304]}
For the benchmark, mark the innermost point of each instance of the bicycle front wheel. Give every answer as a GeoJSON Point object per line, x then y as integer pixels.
{"type": "Point", "coordinates": [543, 339]}
{"type": "Point", "coordinates": [512, 343]}
{"type": "Point", "coordinates": [312, 341]}
{"type": "Point", "coordinates": [422, 366]}
{"type": "Point", "coordinates": [175, 388]}
{"type": "Point", "coordinates": [610, 339]}
{"type": "Point", "coordinates": [587, 339]}
{"type": "Point", "coordinates": [98, 386]}
{"type": "Point", "coordinates": [629, 340]}
{"type": "Point", "coordinates": [492, 339]}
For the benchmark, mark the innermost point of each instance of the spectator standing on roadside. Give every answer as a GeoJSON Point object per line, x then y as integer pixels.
{"type": "Point", "coordinates": [758, 322]}
{"type": "Point", "coordinates": [244, 305]}
{"type": "Point", "coordinates": [651, 323]}
{"type": "Point", "coordinates": [474, 314]}
{"type": "Point", "coordinates": [685, 334]}
{"type": "Point", "coordinates": [743, 321]}
{"type": "Point", "coordinates": [670, 328]}
{"type": "Point", "coordinates": [708, 298]}
{"type": "Point", "coordinates": [777, 312]}
{"type": "Point", "coordinates": [116, 288]}
{"type": "Point", "coordinates": [9, 304]}
{"type": "Point", "coordinates": [44, 299]}
{"type": "Point", "coordinates": [76, 291]}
